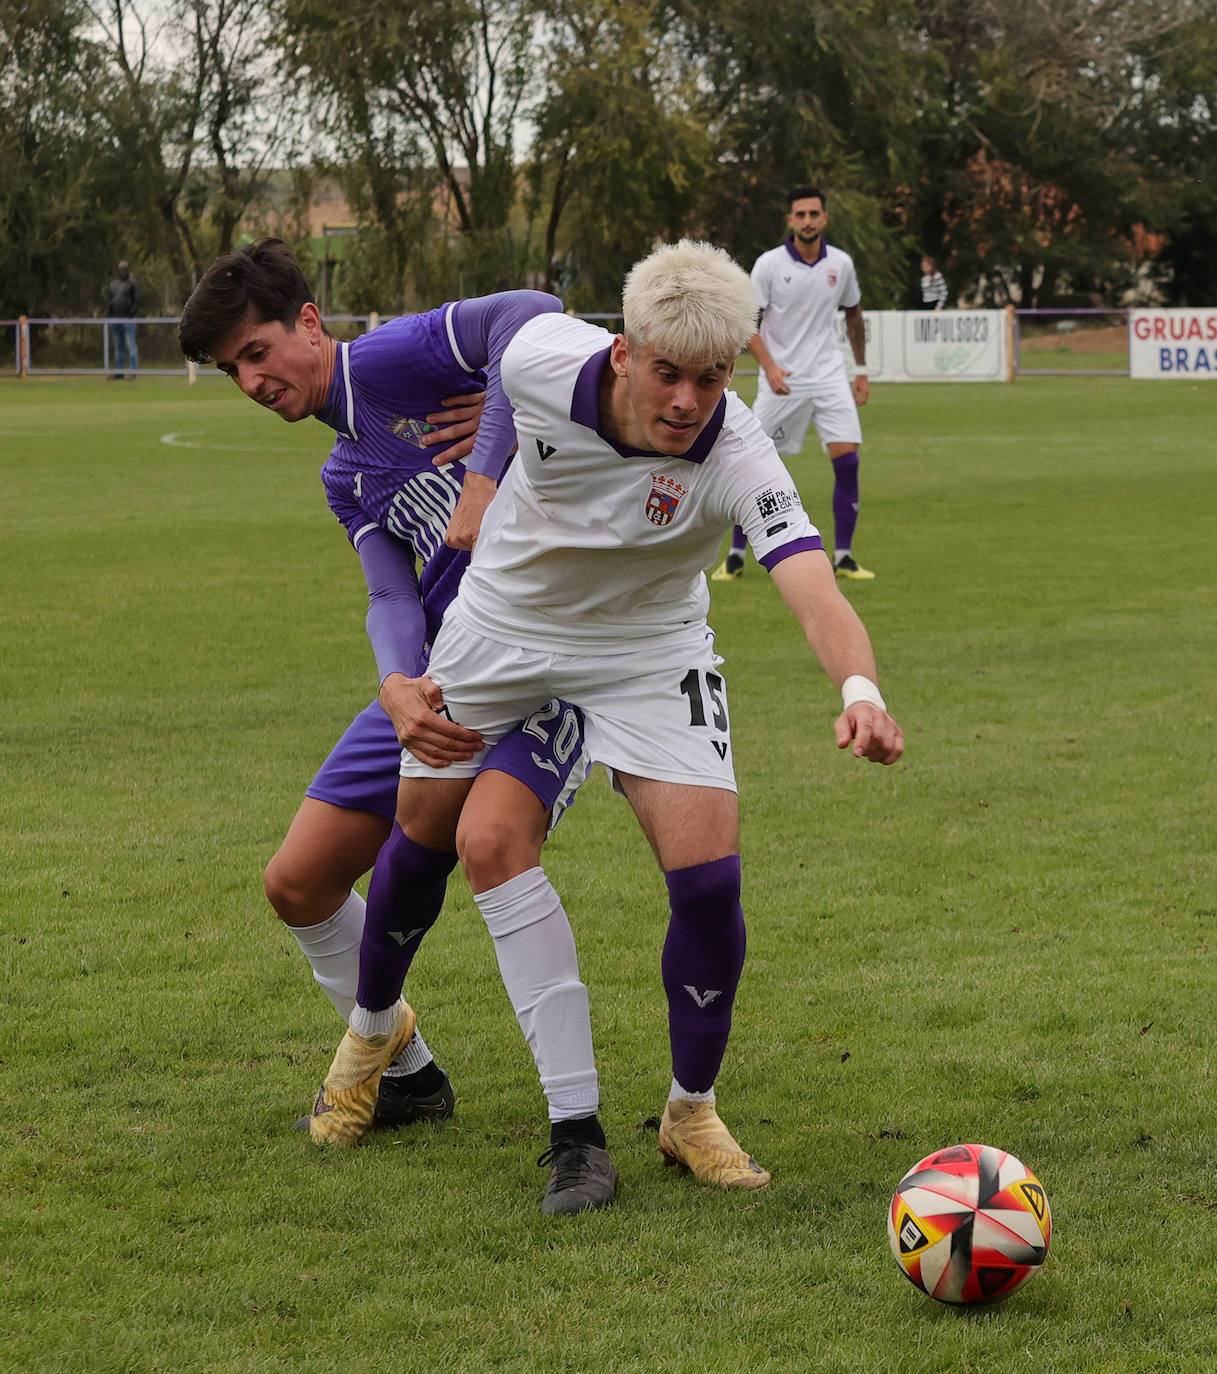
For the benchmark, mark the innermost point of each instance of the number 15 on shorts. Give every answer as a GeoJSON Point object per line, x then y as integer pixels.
{"type": "Point", "coordinates": [706, 694]}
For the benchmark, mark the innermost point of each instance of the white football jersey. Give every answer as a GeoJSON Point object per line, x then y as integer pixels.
{"type": "Point", "coordinates": [590, 545]}
{"type": "Point", "coordinates": [800, 300]}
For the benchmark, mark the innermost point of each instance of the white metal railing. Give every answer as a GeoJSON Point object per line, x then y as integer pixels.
{"type": "Point", "coordinates": [81, 345]}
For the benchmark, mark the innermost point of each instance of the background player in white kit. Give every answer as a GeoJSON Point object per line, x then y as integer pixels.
{"type": "Point", "coordinates": [587, 583]}
{"type": "Point", "coordinates": [800, 286]}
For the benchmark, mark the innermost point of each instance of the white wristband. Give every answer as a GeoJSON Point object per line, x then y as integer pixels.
{"type": "Point", "coordinates": [857, 688]}
{"type": "Point", "coordinates": [860, 370]}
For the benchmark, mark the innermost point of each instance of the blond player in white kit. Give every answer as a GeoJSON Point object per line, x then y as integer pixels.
{"type": "Point", "coordinates": [800, 286]}
{"type": "Point", "coordinates": [587, 583]}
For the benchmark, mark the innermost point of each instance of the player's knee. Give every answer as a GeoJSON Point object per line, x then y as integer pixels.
{"type": "Point", "coordinates": [299, 894]}
{"type": "Point", "coordinates": [286, 889]}
{"type": "Point", "coordinates": [493, 850]}
{"type": "Point", "coordinates": [708, 893]}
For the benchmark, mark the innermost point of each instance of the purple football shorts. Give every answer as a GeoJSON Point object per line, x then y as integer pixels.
{"type": "Point", "coordinates": [361, 771]}
{"type": "Point", "coordinates": [546, 753]}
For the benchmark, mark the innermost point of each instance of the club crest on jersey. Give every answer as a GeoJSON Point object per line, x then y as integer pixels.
{"type": "Point", "coordinates": [411, 431]}
{"type": "Point", "coordinates": [664, 498]}
{"type": "Point", "coordinates": [832, 276]}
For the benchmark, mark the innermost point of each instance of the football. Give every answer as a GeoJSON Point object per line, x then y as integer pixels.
{"type": "Point", "coordinates": [969, 1224]}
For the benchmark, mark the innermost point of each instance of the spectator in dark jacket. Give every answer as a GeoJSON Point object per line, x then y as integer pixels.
{"type": "Point", "coordinates": [122, 306]}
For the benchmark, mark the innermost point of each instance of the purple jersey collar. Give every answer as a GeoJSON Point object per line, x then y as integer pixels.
{"type": "Point", "coordinates": [585, 411]}
{"type": "Point", "coordinates": [799, 258]}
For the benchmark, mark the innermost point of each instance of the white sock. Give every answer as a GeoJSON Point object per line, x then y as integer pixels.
{"type": "Point", "coordinates": [838, 556]}
{"type": "Point", "coordinates": [332, 948]}
{"type": "Point", "coordinates": [677, 1091]}
{"type": "Point", "coordinates": [535, 948]}
{"type": "Point", "coordinates": [415, 1056]}
{"type": "Point", "coordinates": [369, 1023]}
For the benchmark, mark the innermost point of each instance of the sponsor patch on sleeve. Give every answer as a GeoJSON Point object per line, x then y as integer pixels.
{"type": "Point", "coordinates": [772, 503]}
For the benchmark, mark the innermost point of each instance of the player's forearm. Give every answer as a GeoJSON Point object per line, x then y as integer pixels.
{"type": "Point", "coordinates": [756, 346]}
{"type": "Point", "coordinates": [396, 630]}
{"type": "Point", "coordinates": [396, 623]}
{"type": "Point", "coordinates": [855, 331]}
{"type": "Point", "coordinates": [830, 624]}
{"type": "Point", "coordinates": [484, 326]}
{"type": "Point", "coordinates": [840, 642]}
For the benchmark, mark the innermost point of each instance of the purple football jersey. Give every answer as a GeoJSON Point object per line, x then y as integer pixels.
{"type": "Point", "coordinates": [378, 474]}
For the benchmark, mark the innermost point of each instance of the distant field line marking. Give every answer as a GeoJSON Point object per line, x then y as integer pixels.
{"type": "Point", "coordinates": [183, 438]}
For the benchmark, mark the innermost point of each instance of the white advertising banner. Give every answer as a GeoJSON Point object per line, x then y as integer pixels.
{"type": "Point", "coordinates": [934, 345]}
{"type": "Point", "coordinates": [1179, 345]}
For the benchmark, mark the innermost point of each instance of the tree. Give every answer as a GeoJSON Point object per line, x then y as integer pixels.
{"type": "Point", "coordinates": [423, 101]}
{"type": "Point", "coordinates": [621, 155]}
{"type": "Point", "coordinates": [54, 210]}
{"type": "Point", "coordinates": [188, 103]}
{"type": "Point", "coordinates": [795, 95]}
{"type": "Point", "coordinates": [246, 118]}
{"type": "Point", "coordinates": [1171, 126]}
{"type": "Point", "coordinates": [1025, 178]}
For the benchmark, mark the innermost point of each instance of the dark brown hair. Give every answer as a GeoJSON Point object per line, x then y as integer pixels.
{"type": "Point", "coordinates": [806, 193]}
{"type": "Point", "coordinates": [261, 279]}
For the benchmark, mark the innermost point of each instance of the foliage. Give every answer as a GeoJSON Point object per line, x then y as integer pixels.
{"type": "Point", "coordinates": [56, 196]}
{"type": "Point", "coordinates": [1171, 128]}
{"type": "Point", "coordinates": [189, 103]}
{"type": "Point", "coordinates": [424, 102]}
{"type": "Point", "coordinates": [1044, 153]}
{"type": "Point", "coordinates": [128, 129]}
{"type": "Point", "coordinates": [821, 95]}
{"type": "Point", "coordinates": [1023, 187]}
{"type": "Point", "coordinates": [619, 141]}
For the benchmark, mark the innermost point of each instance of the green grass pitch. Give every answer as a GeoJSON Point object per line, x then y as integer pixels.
{"type": "Point", "coordinates": [1010, 937]}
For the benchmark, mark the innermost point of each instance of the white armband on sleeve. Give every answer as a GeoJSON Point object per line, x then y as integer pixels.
{"type": "Point", "coordinates": [857, 688]}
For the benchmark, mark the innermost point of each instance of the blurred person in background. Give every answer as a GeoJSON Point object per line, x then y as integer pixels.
{"type": "Point", "coordinates": [933, 286]}
{"type": "Point", "coordinates": [122, 306]}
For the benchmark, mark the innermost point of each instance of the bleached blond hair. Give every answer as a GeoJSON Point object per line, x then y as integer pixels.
{"type": "Point", "coordinates": [690, 302]}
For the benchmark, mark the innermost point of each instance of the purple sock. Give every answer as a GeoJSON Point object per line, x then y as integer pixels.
{"type": "Point", "coordinates": [739, 540]}
{"type": "Point", "coordinates": [845, 500]}
{"type": "Point", "coordinates": [703, 957]}
{"type": "Point", "coordinates": [404, 899]}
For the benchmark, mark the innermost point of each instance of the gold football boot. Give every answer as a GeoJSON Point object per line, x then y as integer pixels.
{"type": "Point", "coordinates": [346, 1104]}
{"type": "Point", "coordinates": [692, 1136]}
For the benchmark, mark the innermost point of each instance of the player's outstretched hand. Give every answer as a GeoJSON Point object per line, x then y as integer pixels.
{"type": "Point", "coordinates": [414, 705]}
{"type": "Point", "coordinates": [477, 492]}
{"type": "Point", "coordinates": [872, 732]}
{"type": "Point", "coordinates": [459, 418]}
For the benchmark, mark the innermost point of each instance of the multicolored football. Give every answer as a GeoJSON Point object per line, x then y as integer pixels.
{"type": "Point", "coordinates": [969, 1224]}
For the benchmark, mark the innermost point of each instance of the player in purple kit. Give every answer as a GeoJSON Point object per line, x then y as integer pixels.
{"type": "Point", "coordinates": [411, 512]}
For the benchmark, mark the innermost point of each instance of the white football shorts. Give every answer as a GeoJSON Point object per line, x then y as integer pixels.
{"type": "Point", "coordinates": [830, 406]}
{"type": "Point", "coordinates": [670, 724]}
